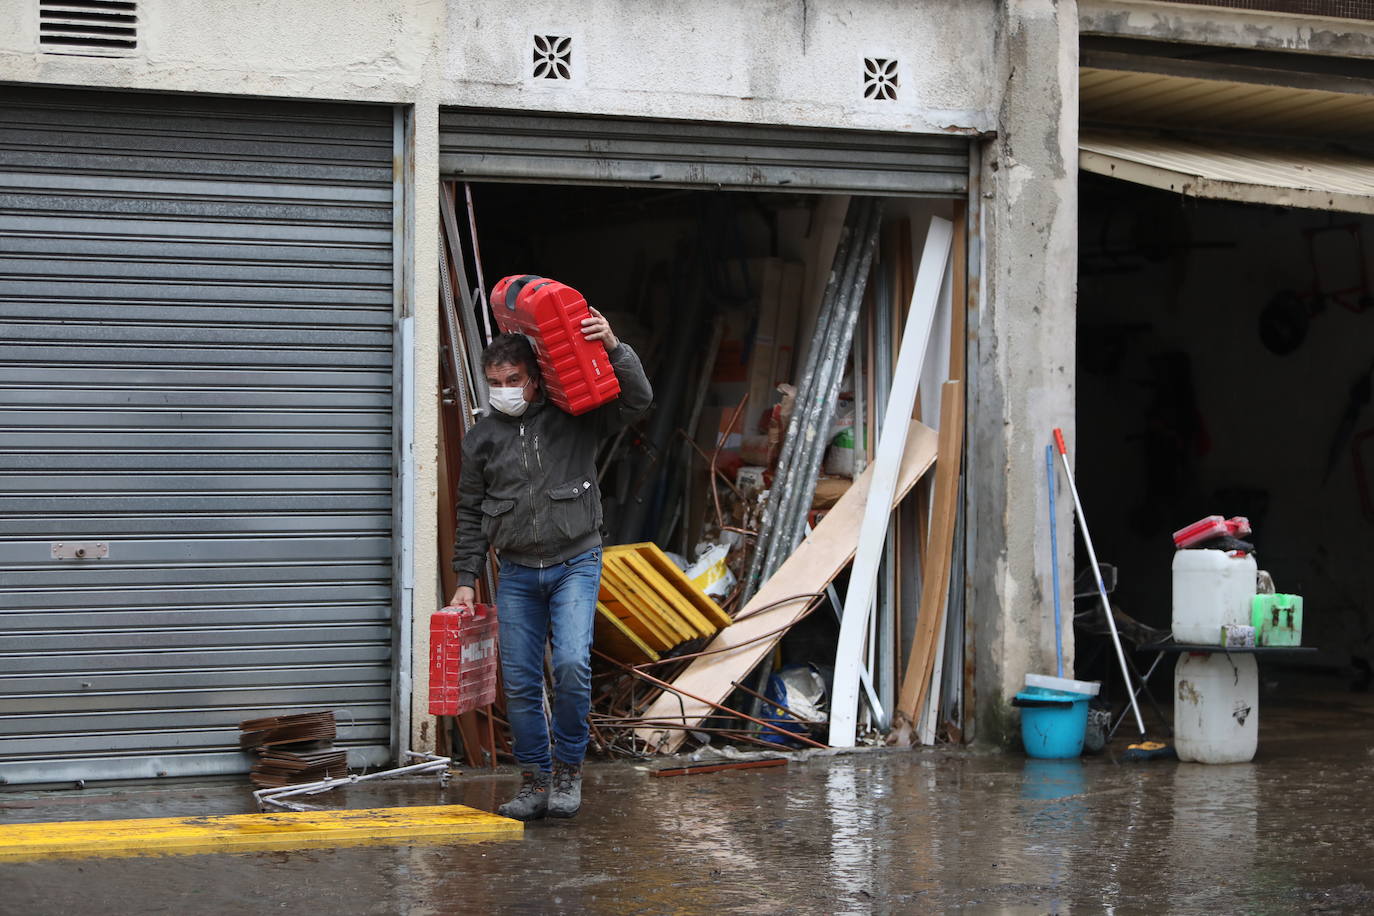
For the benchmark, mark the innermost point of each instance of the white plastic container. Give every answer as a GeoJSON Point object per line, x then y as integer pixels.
{"type": "Point", "coordinates": [1212, 589]}
{"type": "Point", "coordinates": [1216, 707]}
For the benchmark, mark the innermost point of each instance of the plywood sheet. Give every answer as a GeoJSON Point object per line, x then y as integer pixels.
{"type": "Point", "coordinates": [781, 600]}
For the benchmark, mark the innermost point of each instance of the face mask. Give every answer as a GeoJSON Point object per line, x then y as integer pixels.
{"type": "Point", "coordinates": [510, 401]}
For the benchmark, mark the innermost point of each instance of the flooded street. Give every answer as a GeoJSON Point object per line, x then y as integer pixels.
{"type": "Point", "coordinates": [874, 832]}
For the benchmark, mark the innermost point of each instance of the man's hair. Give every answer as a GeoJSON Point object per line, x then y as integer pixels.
{"type": "Point", "coordinates": [511, 349]}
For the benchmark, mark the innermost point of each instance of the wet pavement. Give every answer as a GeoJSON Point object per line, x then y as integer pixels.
{"type": "Point", "coordinates": [926, 830]}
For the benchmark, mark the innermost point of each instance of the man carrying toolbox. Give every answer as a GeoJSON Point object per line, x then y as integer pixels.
{"type": "Point", "coordinates": [528, 488]}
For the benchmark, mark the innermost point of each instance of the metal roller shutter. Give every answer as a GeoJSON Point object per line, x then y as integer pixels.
{"type": "Point", "coordinates": [195, 370]}
{"type": "Point", "coordinates": [573, 149]}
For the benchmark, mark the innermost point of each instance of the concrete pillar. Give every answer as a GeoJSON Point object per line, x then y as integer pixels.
{"type": "Point", "coordinates": [1022, 355]}
{"type": "Point", "coordinates": [426, 304]}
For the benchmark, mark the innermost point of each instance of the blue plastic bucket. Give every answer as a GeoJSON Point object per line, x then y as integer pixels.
{"type": "Point", "coordinates": [1053, 722]}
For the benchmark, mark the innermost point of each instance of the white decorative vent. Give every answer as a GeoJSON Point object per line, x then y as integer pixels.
{"type": "Point", "coordinates": [553, 57]}
{"type": "Point", "coordinates": [88, 27]}
{"type": "Point", "coordinates": [880, 78]}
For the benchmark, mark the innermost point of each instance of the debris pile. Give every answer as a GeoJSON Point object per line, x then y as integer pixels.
{"type": "Point", "coordinates": [740, 506]}
{"type": "Point", "coordinates": [293, 749]}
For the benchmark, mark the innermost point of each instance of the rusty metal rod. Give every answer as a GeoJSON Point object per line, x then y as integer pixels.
{"type": "Point", "coordinates": [703, 768]}
{"type": "Point", "coordinates": [715, 457]}
{"type": "Point", "coordinates": [775, 704]}
{"type": "Point", "coordinates": [717, 706]}
{"type": "Point", "coordinates": [812, 596]}
{"type": "Point", "coordinates": [707, 458]}
{"type": "Point", "coordinates": [732, 733]}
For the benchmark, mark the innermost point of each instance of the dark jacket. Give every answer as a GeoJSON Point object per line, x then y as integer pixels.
{"type": "Point", "coordinates": [528, 486]}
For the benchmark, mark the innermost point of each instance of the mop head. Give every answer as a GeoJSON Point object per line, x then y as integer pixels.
{"type": "Point", "coordinates": [1149, 750]}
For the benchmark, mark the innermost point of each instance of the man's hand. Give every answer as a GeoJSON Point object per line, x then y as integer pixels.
{"type": "Point", "coordinates": [465, 596]}
{"type": "Point", "coordinates": [598, 328]}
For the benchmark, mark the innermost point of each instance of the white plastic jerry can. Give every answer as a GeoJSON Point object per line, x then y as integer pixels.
{"type": "Point", "coordinates": [1216, 707]}
{"type": "Point", "coordinates": [1212, 589]}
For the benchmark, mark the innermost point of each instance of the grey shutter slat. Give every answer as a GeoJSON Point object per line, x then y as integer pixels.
{"type": "Point", "coordinates": [195, 368]}
{"type": "Point", "coordinates": [571, 149]}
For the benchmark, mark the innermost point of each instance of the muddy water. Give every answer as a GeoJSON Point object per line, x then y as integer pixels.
{"type": "Point", "coordinates": [886, 832]}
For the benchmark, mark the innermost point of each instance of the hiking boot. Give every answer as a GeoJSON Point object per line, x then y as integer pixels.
{"type": "Point", "coordinates": [532, 801]}
{"type": "Point", "coordinates": [566, 797]}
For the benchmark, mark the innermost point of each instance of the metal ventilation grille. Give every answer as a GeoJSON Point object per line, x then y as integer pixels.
{"type": "Point", "coordinates": [99, 27]}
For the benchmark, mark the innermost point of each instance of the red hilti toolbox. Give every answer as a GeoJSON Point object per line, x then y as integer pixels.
{"type": "Point", "coordinates": [577, 373]}
{"type": "Point", "coordinates": [462, 660]}
{"type": "Point", "coordinates": [1213, 526]}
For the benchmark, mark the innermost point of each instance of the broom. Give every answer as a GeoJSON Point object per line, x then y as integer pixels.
{"type": "Point", "coordinates": [1145, 750]}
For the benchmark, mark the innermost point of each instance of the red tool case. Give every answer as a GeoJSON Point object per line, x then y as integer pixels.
{"type": "Point", "coordinates": [577, 373]}
{"type": "Point", "coordinates": [462, 660]}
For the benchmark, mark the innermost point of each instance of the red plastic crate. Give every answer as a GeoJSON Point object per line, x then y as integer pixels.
{"type": "Point", "coordinates": [462, 660]}
{"type": "Point", "coordinates": [577, 373]}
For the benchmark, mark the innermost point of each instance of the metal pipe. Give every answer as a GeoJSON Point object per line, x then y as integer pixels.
{"type": "Point", "coordinates": [1097, 574]}
{"type": "Point", "coordinates": [403, 444]}
{"type": "Point", "coordinates": [467, 319]}
{"type": "Point", "coordinates": [774, 703]}
{"type": "Point", "coordinates": [732, 733]}
{"type": "Point", "coordinates": [717, 706]}
{"type": "Point", "coordinates": [784, 490]}
{"type": "Point", "coordinates": [273, 795]}
{"type": "Point", "coordinates": [477, 263]}
{"type": "Point", "coordinates": [403, 521]}
{"type": "Point", "coordinates": [792, 529]}
{"type": "Point", "coordinates": [794, 505]}
{"type": "Point", "coordinates": [809, 402]}
{"type": "Point", "coordinates": [789, 442]}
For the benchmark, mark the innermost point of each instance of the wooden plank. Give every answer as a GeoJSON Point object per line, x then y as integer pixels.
{"type": "Point", "coordinates": [242, 832]}
{"type": "Point", "coordinates": [935, 586]}
{"type": "Point", "coordinates": [776, 606]}
{"type": "Point", "coordinates": [930, 709]}
{"type": "Point", "coordinates": [689, 589]}
{"type": "Point", "coordinates": [617, 640]}
{"type": "Point", "coordinates": [863, 578]}
{"type": "Point", "coordinates": [958, 328]}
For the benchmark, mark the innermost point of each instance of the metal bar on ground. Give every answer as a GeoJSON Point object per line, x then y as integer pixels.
{"type": "Point", "coordinates": [702, 768]}
{"type": "Point", "coordinates": [431, 763]}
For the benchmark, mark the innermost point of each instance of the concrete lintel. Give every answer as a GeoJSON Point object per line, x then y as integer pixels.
{"type": "Point", "coordinates": [1229, 28]}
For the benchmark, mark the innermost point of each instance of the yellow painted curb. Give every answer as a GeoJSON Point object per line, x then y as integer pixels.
{"type": "Point", "coordinates": [248, 832]}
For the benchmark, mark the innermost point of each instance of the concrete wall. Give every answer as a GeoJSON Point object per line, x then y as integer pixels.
{"type": "Point", "coordinates": [318, 49]}
{"type": "Point", "coordinates": [793, 62]}
{"type": "Point", "coordinates": [772, 61]}
{"type": "Point", "coordinates": [1022, 353]}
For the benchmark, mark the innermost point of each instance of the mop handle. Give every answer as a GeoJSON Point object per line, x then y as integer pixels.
{"type": "Point", "coordinates": [1097, 574]}
{"type": "Point", "coordinates": [1054, 564]}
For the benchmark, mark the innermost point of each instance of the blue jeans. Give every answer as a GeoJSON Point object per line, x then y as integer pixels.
{"type": "Point", "coordinates": [530, 603]}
